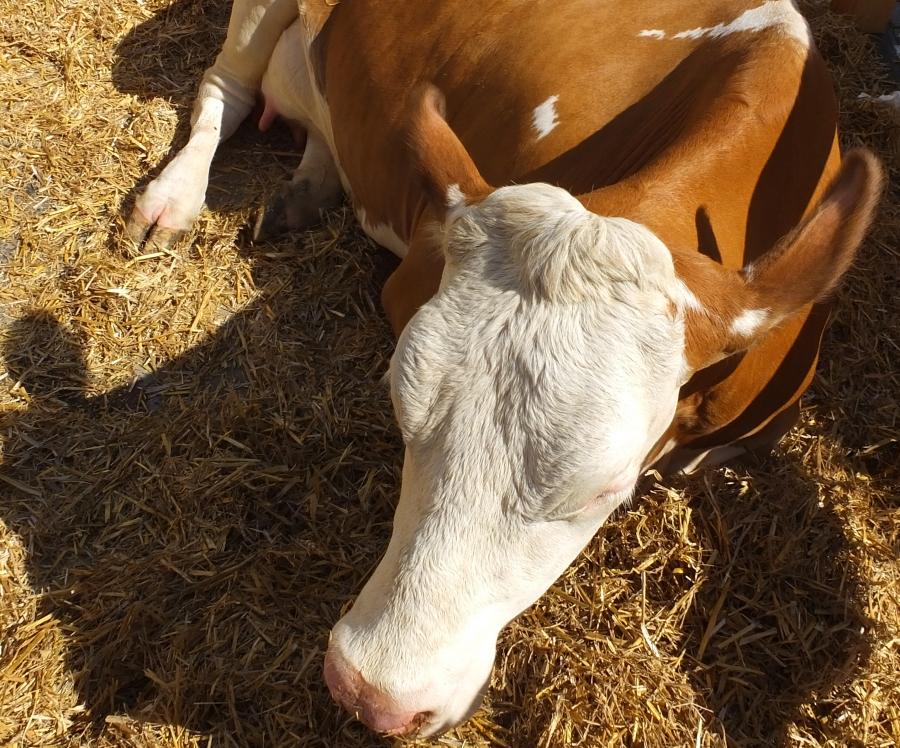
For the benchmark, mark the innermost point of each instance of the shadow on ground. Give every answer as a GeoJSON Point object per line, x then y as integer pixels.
{"type": "Point", "coordinates": [779, 622]}
{"type": "Point", "coordinates": [197, 531]}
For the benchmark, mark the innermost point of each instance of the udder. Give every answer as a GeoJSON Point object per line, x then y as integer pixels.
{"type": "Point", "coordinates": [288, 86]}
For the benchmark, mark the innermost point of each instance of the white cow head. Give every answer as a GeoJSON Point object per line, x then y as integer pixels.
{"type": "Point", "coordinates": [529, 392]}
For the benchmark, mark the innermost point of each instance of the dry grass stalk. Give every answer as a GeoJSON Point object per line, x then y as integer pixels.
{"type": "Point", "coordinates": [199, 463]}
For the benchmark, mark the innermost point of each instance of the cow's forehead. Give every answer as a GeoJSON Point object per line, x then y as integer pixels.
{"type": "Point", "coordinates": [578, 379]}
{"type": "Point", "coordinates": [557, 249]}
{"type": "Point", "coordinates": [535, 281]}
{"type": "Point", "coordinates": [524, 430]}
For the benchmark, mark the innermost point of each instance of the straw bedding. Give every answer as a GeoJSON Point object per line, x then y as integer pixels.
{"type": "Point", "coordinates": [199, 463]}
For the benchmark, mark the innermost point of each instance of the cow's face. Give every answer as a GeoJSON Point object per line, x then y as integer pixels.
{"type": "Point", "coordinates": [529, 392]}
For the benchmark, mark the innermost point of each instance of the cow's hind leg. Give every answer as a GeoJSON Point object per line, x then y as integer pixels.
{"type": "Point", "coordinates": [297, 204]}
{"type": "Point", "coordinates": [172, 201]}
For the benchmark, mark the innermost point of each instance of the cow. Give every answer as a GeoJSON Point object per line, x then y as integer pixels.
{"type": "Point", "coordinates": [619, 227]}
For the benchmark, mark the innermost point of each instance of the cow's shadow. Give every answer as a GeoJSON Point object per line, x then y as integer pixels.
{"type": "Point", "coordinates": [189, 530]}
{"type": "Point", "coordinates": [779, 623]}
{"type": "Point", "coordinates": [196, 531]}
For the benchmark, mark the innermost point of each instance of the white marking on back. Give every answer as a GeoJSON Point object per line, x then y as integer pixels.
{"type": "Point", "coordinates": [749, 321]}
{"type": "Point", "coordinates": [382, 233]}
{"type": "Point", "coordinates": [771, 14]}
{"type": "Point", "coordinates": [544, 118]}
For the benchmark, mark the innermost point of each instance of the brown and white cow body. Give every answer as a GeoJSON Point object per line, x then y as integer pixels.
{"type": "Point", "coordinates": [616, 225]}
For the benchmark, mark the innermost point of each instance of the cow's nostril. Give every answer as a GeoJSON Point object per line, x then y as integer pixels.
{"type": "Point", "coordinates": [414, 726]}
{"type": "Point", "coordinates": [377, 710]}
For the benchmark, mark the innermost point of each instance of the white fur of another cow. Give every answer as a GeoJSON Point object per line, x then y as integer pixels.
{"type": "Point", "coordinates": [529, 391]}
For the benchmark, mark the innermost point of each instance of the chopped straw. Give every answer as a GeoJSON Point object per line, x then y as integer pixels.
{"type": "Point", "coordinates": [200, 464]}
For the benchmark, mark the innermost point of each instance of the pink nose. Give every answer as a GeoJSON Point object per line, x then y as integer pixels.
{"type": "Point", "coordinates": [375, 709]}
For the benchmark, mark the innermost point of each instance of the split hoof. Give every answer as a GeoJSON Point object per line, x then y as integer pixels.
{"type": "Point", "coordinates": [293, 207]}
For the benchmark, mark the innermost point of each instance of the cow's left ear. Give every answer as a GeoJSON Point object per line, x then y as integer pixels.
{"type": "Point", "coordinates": [736, 309]}
{"type": "Point", "coordinates": [807, 265]}
{"type": "Point", "coordinates": [447, 172]}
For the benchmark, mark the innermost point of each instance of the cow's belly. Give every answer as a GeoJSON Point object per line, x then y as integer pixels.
{"type": "Point", "coordinates": [289, 87]}
{"type": "Point", "coordinates": [289, 90]}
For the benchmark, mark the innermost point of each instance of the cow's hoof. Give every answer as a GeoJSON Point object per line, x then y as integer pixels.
{"type": "Point", "coordinates": [140, 230]}
{"type": "Point", "coordinates": [293, 207]}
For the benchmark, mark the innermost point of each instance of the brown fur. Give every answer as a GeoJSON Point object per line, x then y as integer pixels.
{"type": "Point", "coordinates": [722, 147]}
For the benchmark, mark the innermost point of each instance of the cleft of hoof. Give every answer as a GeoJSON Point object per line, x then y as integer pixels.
{"type": "Point", "coordinates": [293, 207]}
{"type": "Point", "coordinates": [163, 239]}
{"type": "Point", "coordinates": [142, 231]}
{"type": "Point", "coordinates": [137, 227]}
{"type": "Point", "coordinates": [271, 220]}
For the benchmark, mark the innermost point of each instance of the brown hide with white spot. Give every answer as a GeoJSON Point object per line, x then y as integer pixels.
{"type": "Point", "coordinates": [720, 145]}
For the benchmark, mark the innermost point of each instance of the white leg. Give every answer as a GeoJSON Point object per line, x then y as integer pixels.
{"type": "Point", "coordinates": [173, 200]}
{"type": "Point", "coordinates": [314, 186]}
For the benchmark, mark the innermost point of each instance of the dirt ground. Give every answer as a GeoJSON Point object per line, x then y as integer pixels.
{"type": "Point", "coordinates": [199, 463]}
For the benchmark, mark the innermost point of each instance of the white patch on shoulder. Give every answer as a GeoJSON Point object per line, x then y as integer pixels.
{"type": "Point", "coordinates": [780, 14]}
{"type": "Point", "coordinates": [749, 321]}
{"type": "Point", "coordinates": [544, 118]}
{"type": "Point", "coordinates": [382, 233]}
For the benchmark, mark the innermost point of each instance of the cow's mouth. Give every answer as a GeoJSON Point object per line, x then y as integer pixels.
{"type": "Point", "coordinates": [415, 727]}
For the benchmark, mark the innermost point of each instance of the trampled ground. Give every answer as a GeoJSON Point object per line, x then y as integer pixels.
{"type": "Point", "coordinates": [199, 462]}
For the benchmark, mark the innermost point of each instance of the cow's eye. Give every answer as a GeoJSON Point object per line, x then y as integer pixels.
{"type": "Point", "coordinates": [615, 497]}
{"type": "Point", "coordinates": [583, 506]}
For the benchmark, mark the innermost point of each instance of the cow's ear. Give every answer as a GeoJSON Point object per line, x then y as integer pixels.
{"type": "Point", "coordinates": [733, 310]}
{"type": "Point", "coordinates": [807, 265]}
{"type": "Point", "coordinates": [448, 175]}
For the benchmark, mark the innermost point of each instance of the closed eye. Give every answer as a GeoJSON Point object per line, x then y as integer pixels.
{"type": "Point", "coordinates": [616, 497]}
{"type": "Point", "coordinates": [575, 506]}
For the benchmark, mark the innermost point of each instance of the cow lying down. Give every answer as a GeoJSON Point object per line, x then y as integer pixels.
{"type": "Point", "coordinates": [619, 224]}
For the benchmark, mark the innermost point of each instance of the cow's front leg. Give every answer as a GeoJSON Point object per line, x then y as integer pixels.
{"type": "Point", "coordinates": [172, 201]}
{"type": "Point", "coordinates": [297, 204]}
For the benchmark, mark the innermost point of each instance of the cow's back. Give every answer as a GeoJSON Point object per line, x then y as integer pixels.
{"type": "Point", "coordinates": [713, 123]}
{"type": "Point", "coordinates": [584, 94]}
